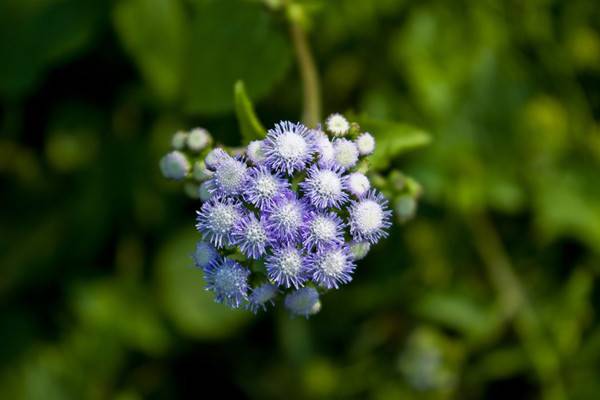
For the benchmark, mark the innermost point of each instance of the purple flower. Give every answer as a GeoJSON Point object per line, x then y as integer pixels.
{"type": "Point", "coordinates": [331, 266]}
{"type": "Point", "coordinates": [370, 217]}
{"type": "Point", "coordinates": [262, 187]}
{"type": "Point", "coordinates": [324, 186]}
{"type": "Point", "coordinates": [288, 147]}
{"type": "Point", "coordinates": [229, 177]}
{"type": "Point", "coordinates": [324, 148]}
{"type": "Point", "coordinates": [322, 229]}
{"type": "Point", "coordinates": [262, 296]}
{"type": "Point", "coordinates": [304, 301]}
{"type": "Point", "coordinates": [229, 281]}
{"type": "Point", "coordinates": [216, 220]}
{"type": "Point", "coordinates": [205, 254]}
{"type": "Point", "coordinates": [287, 266]}
{"type": "Point", "coordinates": [286, 216]}
{"type": "Point", "coordinates": [250, 235]}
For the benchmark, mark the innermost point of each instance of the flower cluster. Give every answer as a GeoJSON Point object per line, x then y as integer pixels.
{"type": "Point", "coordinates": [289, 216]}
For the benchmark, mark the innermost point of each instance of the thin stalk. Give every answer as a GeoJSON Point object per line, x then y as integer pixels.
{"type": "Point", "coordinates": [311, 114]}
{"type": "Point", "coordinates": [517, 308]}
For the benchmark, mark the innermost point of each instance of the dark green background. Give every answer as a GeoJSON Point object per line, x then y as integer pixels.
{"type": "Point", "coordinates": [490, 292]}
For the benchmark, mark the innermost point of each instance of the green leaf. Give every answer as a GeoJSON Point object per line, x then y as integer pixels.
{"type": "Point", "coordinates": [34, 35]}
{"type": "Point", "coordinates": [393, 139]}
{"type": "Point", "coordinates": [230, 41]}
{"type": "Point", "coordinates": [184, 298]}
{"type": "Point", "coordinates": [457, 311]}
{"type": "Point", "coordinates": [154, 33]}
{"type": "Point", "coordinates": [250, 126]}
{"type": "Point", "coordinates": [125, 310]}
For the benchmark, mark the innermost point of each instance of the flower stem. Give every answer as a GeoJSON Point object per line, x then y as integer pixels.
{"type": "Point", "coordinates": [517, 308]}
{"type": "Point", "coordinates": [311, 114]}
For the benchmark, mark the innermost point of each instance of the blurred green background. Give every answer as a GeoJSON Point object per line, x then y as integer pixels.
{"type": "Point", "coordinates": [490, 292]}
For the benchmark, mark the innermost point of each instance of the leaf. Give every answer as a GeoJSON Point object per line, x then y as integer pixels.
{"type": "Point", "coordinates": [126, 311]}
{"type": "Point", "coordinates": [34, 35]}
{"type": "Point", "coordinates": [457, 311]}
{"type": "Point", "coordinates": [250, 126]}
{"type": "Point", "coordinates": [393, 139]}
{"type": "Point", "coordinates": [184, 299]}
{"type": "Point", "coordinates": [230, 41]}
{"type": "Point", "coordinates": [154, 33]}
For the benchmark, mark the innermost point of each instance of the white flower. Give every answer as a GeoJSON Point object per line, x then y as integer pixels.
{"type": "Point", "coordinates": [365, 144]}
{"type": "Point", "coordinates": [198, 139]}
{"type": "Point", "coordinates": [324, 148]}
{"type": "Point", "coordinates": [337, 124]}
{"type": "Point", "coordinates": [255, 151]}
{"type": "Point", "coordinates": [358, 184]}
{"type": "Point", "coordinates": [346, 153]}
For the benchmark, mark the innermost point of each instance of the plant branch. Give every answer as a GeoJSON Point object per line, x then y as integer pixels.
{"type": "Point", "coordinates": [311, 114]}
{"type": "Point", "coordinates": [516, 307]}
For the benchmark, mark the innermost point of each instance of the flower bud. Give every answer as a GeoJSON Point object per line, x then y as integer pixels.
{"type": "Point", "coordinates": [174, 165]}
{"type": "Point", "coordinates": [198, 139]}
{"type": "Point", "coordinates": [365, 144]}
{"type": "Point", "coordinates": [405, 207]}
{"type": "Point", "coordinates": [359, 250]}
{"type": "Point", "coordinates": [255, 151]}
{"type": "Point", "coordinates": [200, 172]}
{"type": "Point", "coordinates": [337, 125]}
{"type": "Point", "coordinates": [178, 140]}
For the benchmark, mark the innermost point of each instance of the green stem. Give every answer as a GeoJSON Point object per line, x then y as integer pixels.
{"type": "Point", "coordinates": [516, 307]}
{"type": "Point", "coordinates": [311, 114]}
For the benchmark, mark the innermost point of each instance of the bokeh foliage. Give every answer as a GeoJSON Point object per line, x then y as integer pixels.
{"type": "Point", "coordinates": [489, 293]}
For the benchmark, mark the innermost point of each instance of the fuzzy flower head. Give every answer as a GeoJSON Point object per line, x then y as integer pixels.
{"type": "Point", "coordinates": [370, 217]}
{"type": "Point", "coordinates": [262, 187]}
{"type": "Point", "coordinates": [332, 266]}
{"type": "Point", "coordinates": [365, 143]}
{"type": "Point", "coordinates": [262, 296]}
{"type": "Point", "coordinates": [345, 153]}
{"type": "Point", "coordinates": [287, 266]}
{"type": "Point", "coordinates": [304, 302]}
{"type": "Point", "coordinates": [324, 148]}
{"type": "Point", "coordinates": [285, 218]}
{"type": "Point", "coordinates": [229, 177]}
{"type": "Point", "coordinates": [217, 218]}
{"type": "Point", "coordinates": [250, 235]}
{"type": "Point", "coordinates": [229, 281]}
{"type": "Point", "coordinates": [324, 187]}
{"type": "Point", "coordinates": [255, 152]}
{"type": "Point", "coordinates": [337, 124]}
{"type": "Point", "coordinates": [358, 184]}
{"type": "Point", "coordinates": [290, 214]}
{"type": "Point", "coordinates": [174, 165]}
{"type": "Point", "coordinates": [288, 147]}
{"type": "Point", "coordinates": [322, 229]}
{"type": "Point", "coordinates": [205, 254]}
